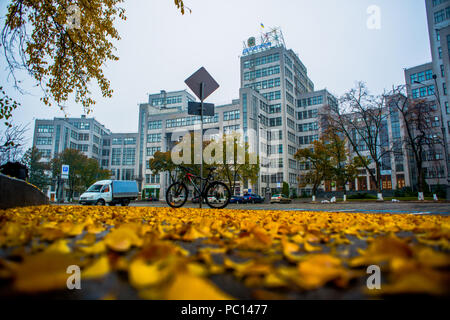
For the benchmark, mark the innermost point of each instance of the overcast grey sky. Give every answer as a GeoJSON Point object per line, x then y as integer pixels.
{"type": "Point", "coordinates": [160, 48]}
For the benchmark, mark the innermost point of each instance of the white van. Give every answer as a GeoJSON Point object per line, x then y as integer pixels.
{"type": "Point", "coordinates": [110, 192]}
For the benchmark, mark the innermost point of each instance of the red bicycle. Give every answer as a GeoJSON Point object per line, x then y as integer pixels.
{"type": "Point", "coordinates": [216, 194]}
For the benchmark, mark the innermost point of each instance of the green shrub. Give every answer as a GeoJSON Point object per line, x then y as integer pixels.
{"type": "Point", "coordinates": [361, 196]}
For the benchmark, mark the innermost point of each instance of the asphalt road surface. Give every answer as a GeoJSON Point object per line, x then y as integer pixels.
{"type": "Point", "coordinates": [410, 207]}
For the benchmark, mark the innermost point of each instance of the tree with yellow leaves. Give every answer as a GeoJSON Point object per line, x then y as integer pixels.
{"type": "Point", "coordinates": [317, 163]}
{"type": "Point", "coordinates": [63, 45]}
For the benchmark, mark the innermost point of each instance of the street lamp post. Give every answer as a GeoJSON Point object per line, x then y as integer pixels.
{"type": "Point", "coordinates": [444, 135]}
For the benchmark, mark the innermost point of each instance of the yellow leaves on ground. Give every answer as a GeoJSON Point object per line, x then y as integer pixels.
{"type": "Point", "coordinates": [173, 254]}
{"type": "Point", "coordinates": [123, 238]}
{"type": "Point", "coordinates": [59, 246]}
{"type": "Point", "coordinates": [417, 282]}
{"type": "Point", "coordinates": [43, 272]}
{"type": "Point", "coordinates": [319, 269]}
{"type": "Point", "coordinates": [383, 249]}
{"type": "Point", "coordinates": [143, 275]}
{"type": "Point", "coordinates": [98, 269]}
{"type": "Point", "coordinates": [256, 239]}
{"type": "Point", "coordinates": [189, 287]}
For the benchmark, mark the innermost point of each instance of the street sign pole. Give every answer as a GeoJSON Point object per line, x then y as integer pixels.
{"type": "Point", "coordinates": [202, 84]}
{"type": "Point", "coordinates": [202, 89]}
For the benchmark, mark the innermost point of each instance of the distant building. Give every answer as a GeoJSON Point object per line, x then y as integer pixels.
{"type": "Point", "coordinates": [113, 151]}
{"type": "Point", "coordinates": [429, 81]}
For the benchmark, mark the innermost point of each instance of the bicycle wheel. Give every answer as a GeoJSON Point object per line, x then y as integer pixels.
{"type": "Point", "coordinates": [218, 195]}
{"type": "Point", "coordinates": [176, 195]}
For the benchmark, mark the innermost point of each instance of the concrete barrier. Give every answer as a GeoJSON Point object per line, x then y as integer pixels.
{"type": "Point", "coordinates": [18, 193]}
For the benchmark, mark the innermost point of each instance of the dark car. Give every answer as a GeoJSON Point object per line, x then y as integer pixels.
{"type": "Point", "coordinates": [253, 198]}
{"type": "Point", "coordinates": [152, 198]}
{"type": "Point", "coordinates": [197, 200]}
{"type": "Point", "coordinates": [237, 199]}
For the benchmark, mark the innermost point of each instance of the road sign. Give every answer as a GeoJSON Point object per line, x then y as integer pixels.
{"type": "Point", "coordinates": [202, 84]}
{"type": "Point", "coordinates": [195, 81]}
{"type": "Point", "coordinates": [194, 108]}
{"type": "Point", "coordinates": [65, 171]}
{"type": "Point", "coordinates": [278, 184]}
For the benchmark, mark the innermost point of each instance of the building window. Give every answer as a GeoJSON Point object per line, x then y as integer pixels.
{"type": "Point", "coordinates": [128, 156]}
{"type": "Point", "coordinates": [261, 60]}
{"type": "Point", "coordinates": [154, 137]}
{"type": "Point", "coordinates": [45, 153]}
{"type": "Point", "coordinates": [153, 125]}
{"type": "Point", "coordinates": [307, 139]}
{"type": "Point", "coordinates": [438, 2]}
{"type": "Point", "coordinates": [251, 75]}
{"type": "Point", "coordinates": [83, 147]}
{"type": "Point", "coordinates": [275, 122]}
{"type": "Point", "coordinates": [435, 122]}
{"type": "Point", "coordinates": [439, 16]}
{"type": "Point", "coordinates": [105, 163]}
{"type": "Point", "coordinates": [231, 115]}
{"type": "Point", "coordinates": [291, 123]}
{"type": "Point", "coordinates": [440, 52]}
{"type": "Point", "coordinates": [115, 157]}
{"type": "Point", "coordinates": [274, 95]}
{"type": "Point", "coordinates": [305, 127]}
{"type": "Point", "coordinates": [309, 114]}
{"type": "Point", "coordinates": [152, 178]}
{"type": "Point", "coordinates": [117, 141]}
{"type": "Point", "coordinates": [83, 137]}
{"type": "Point", "coordinates": [265, 84]}
{"type": "Point", "coordinates": [169, 100]}
{"type": "Point", "coordinates": [44, 128]}
{"type": "Point", "coordinates": [152, 150]}
{"type": "Point", "coordinates": [310, 101]}
{"type": "Point", "coordinates": [292, 150]}
{"type": "Point", "coordinates": [276, 108]}
{"type": "Point", "coordinates": [230, 129]}
{"type": "Point", "coordinates": [43, 141]}
{"type": "Point", "coordinates": [129, 141]}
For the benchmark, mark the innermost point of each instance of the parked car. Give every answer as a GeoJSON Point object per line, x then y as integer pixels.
{"type": "Point", "coordinates": [253, 198]}
{"type": "Point", "coordinates": [196, 200]}
{"type": "Point", "coordinates": [280, 198]}
{"type": "Point", "coordinates": [237, 199]}
{"type": "Point", "coordinates": [151, 198]}
{"type": "Point", "coordinates": [110, 192]}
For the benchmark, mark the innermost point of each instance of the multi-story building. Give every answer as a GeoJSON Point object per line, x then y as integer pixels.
{"type": "Point", "coordinates": [52, 137]}
{"type": "Point", "coordinates": [278, 74]}
{"type": "Point", "coordinates": [430, 81]}
{"type": "Point", "coordinates": [113, 151]}
{"type": "Point", "coordinates": [277, 113]}
{"type": "Point", "coordinates": [420, 84]}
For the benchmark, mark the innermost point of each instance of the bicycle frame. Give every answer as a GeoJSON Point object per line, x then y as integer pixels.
{"type": "Point", "coordinates": [191, 178]}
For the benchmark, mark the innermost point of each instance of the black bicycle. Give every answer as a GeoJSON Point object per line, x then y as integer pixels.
{"type": "Point", "coordinates": [216, 194]}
